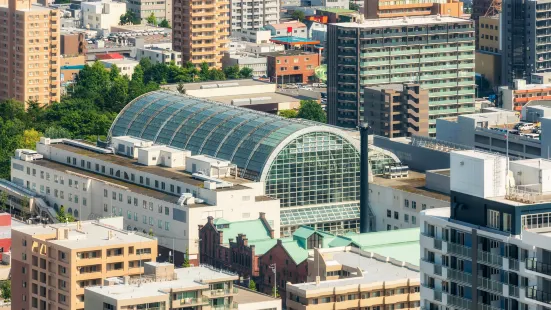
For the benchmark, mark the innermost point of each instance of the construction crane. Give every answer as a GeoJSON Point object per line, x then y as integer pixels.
{"type": "Point", "coordinates": [494, 8]}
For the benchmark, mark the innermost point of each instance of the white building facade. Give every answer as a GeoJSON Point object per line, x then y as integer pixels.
{"type": "Point", "coordinates": [102, 14]}
{"type": "Point", "coordinates": [252, 15]}
{"type": "Point", "coordinates": [159, 55]}
{"type": "Point", "coordinates": [152, 190]}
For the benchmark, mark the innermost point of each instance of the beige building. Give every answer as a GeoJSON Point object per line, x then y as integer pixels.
{"type": "Point", "coordinates": [29, 53]}
{"type": "Point", "coordinates": [163, 287]}
{"type": "Point", "coordinates": [52, 264]}
{"type": "Point", "coordinates": [201, 30]}
{"type": "Point", "coordinates": [388, 9]}
{"type": "Point", "coordinates": [162, 9]}
{"type": "Point", "coordinates": [488, 56]}
{"type": "Point", "coordinates": [350, 278]}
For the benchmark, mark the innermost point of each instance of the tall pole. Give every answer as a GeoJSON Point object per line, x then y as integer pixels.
{"type": "Point", "coordinates": [173, 253]}
{"type": "Point", "coordinates": [364, 179]}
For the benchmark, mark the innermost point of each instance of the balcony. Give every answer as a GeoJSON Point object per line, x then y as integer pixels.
{"type": "Point", "coordinates": [189, 302]}
{"type": "Point", "coordinates": [460, 302]}
{"type": "Point", "coordinates": [460, 276]}
{"type": "Point", "coordinates": [220, 292]}
{"type": "Point", "coordinates": [489, 258]}
{"type": "Point", "coordinates": [533, 265]}
{"type": "Point", "coordinates": [490, 285]}
{"type": "Point", "coordinates": [532, 292]}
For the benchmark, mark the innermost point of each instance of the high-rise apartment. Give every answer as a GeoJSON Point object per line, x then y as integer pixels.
{"type": "Point", "coordinates": [161, 9]}
{"type": "Point", "coordinates": [29, 52]}
{"type": "Point", "coordinates": [388, 8]}
{"type": "Point", "coordinates": [526, 49]}
{"type": "Point", "coordinates": [52, 264]}
{"type": "Point", "coordinates": [434, 52]}
{"type": "Point", "coordinates": [491, 249]}
{"type": "Point", "coordinates": [488, 51]}
{"type": "Point", "coordinates": [201, 30]}
{"type": "Point", "coordinates": [249, 14]}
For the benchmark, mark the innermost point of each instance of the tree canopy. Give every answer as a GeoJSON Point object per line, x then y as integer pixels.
{"type": "Point", "coordinates": [311, 110]}
{"type": "Point", "coordinates": [129, 18]}
{"type": "Point", "coordinates": [151, 19]}
{"type": "Point", "coordinates": [298, 15]}
{"type": "Point", "coordinates": [164, 23]}
{"type": "Point", "coordinates": [353, 6]}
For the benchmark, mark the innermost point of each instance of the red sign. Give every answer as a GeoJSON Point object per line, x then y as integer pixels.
{"type": "Point", "coordinates": [289, 29]}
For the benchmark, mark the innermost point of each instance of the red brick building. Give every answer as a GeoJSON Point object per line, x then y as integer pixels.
{"type": "Point", "coordinates": [235, 246]}
{"type": "Point", "coordinates": [292, 66]}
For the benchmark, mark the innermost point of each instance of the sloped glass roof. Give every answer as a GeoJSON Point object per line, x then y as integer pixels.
{"type": "Point", "coordinates": [242, 136]}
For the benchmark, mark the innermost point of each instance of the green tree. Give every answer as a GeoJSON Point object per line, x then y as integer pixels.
{"type": "Point", "coordinates": [114, 72]}
{"type": "Point", "coordinates": [275, 292]}
{"type": "Point", "coordinates": [298, 15]}
{"type": "Point", "coordinates": [216, 75]}
{"type": "Point", "coordinates": [5, 286]}
{"type": "Point", "coordinates": [232, 72]}
{"type": "Point", "coordinates": [4, 200]}
{"type": "Point", "coordinates": [311, 110]}
{"type": "Point", "coordinates": [56, 132]}
{"type": "Point", "coordinates": [129, 18]}
{"type": "Point", "coordinates": [29, 139]}
{"type": "Point", "coordinates": [164, 23]}
{"type": "Point", "coordinates": [63, 217]}
{"type": "Point", "coordinates": [186, 263]}
{"type": "Point", "coordinates": [246, 73]}
{"type": "Point", "coordinates": [353, 6]}
{"type": "Point", "coordinates": [204, 71]}
{"type": "Point", "coordinates": [180, 88]}
{"type": "Point", "coordinates": [252, 285]}
{"type": "Point", "coordinates": [151, 19]}
{"type": "Point", "coordinates": [288, 113]}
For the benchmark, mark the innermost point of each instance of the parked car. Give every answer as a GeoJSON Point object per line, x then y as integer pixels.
{"type": "Point", "coordinates": [306, 87]}
{"type": "Point", "coordinates": [292, 86]}
{"type": "Point", "coordinates": [322, 85]}
{"type": "Point", "coordinates": [524, 126]}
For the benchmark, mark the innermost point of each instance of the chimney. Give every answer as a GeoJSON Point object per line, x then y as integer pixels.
{"type": "Point", "coordinates": [61, 233]}
{"type": "Point", "coordinates": [364, 179]}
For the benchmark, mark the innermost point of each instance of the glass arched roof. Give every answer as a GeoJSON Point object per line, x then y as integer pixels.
{"type": "Point", "coordinates": [242, 136]}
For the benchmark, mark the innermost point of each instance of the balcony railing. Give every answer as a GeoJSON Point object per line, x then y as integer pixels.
{"type": "Point", "coordinates": [460, 302]}
{"type": "Point", "coordinates": [459, 249]}
{"type": "Point", "coordinates": [438, 270]}
{"type": "Point", "coordinates": [438, 244]}
{"type": "Point", "coordinates": [491, 285]}
{"type": "Point", "coordinates": [220, 292]}
{"type": "Point", "coordinates": [533, 265]}
{"type": "Point", "coordinates": [532, 292]}
{"type": "Point", "coordinates": [190, 301]}
{"type": "Point", "coordinates": [486, 307]}
{"type": "Point", "coordinates": [489, 258]}
{"type": "Point", "coordinates": [459, 276]}
{"type": "Point", "coordinates": [513, 264]}
{"type": "Point", "coordinates": [514, 291]}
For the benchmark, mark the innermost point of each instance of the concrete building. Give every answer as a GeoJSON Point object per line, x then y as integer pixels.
{"type": "Point", "coordinates": [434, 52]}
{"type": "Point", "coordinates": [163, 287]}
{"type": "Point", "coordinates": [253, 15]}
{"type": "Point", "coordinates": [294, 28]}
{"type": "Point", "coordinates": [375, 9]}
{"type": "Point", "coordinates": [52, 264]}
{"type": "Point", "coordinates": [514, 97]}
{"type": "Point", "coordinates": [258, 36]}
{"type": "Point", "coordinates": [246, 60]}
{"type": "Point", "coordinates": [292, 66]}
{"type": "Point", "coordinates": [489, 250]}
{"type": "Point", "coordinates": [397, 110]}
{"type": "Point", "coordinates": [159, 55]}
{"type": "Point", "coordinates": [254, 48]}
{"type": "Point", "coordinates": [125, 65]}
{"type": "Point", "coordinates": [102, 14]}
{"type": "Point", "coordinates": [162, 9]}
{"type": "Point", "coordinates": [329, 4]}
{"type": "Point", "coordinates": [139, 182]}
{"type": "Point", "coordinates": [525, 50]}
{"type": "Point", "coordinates": [73, 43]}
{"type": "Point", "coordinates": [29, 53]}
{"type": "Point", "coordinates": [357, 278]}
{"type": "Point", "coordinates": [263, 147]}
{"type": "Point", "coordinates": [541, 78]}
{"type": "Point", "coordinates": [488, 53]}
{"type": "Point", "coordinates": [70, 67]}
{"type": "Point", "coordinates": [201, 31]}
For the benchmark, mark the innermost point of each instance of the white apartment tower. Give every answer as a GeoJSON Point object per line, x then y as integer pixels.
{"type": "Point", "coordinates": [253, 14]}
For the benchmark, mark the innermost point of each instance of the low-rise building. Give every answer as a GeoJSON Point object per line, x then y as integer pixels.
{"type": "Point", "coordinates": [256, 63]}
{"type": "Point", "coordinates": [53, 264]}
{"type": "Point", "coordinates": [375, 9]}
{"type": "Point", "coordinates": [163, 287]}
{"type": "Point", "coordinates": [397, 110]}
{"type": "Point", "coordinates": [254, 48]}
{"type": "Point", "coordinates": [159, 55]}
{"type": "Point", "coordinates": [73, 43]}
{"type": "Point", "coordinates": [159, 190]}
{"type": "Point", "coordinates": [515, 97]}
{"type": "Point", "coordinates": [293, 28]}
{"type": "Point", "coordinates": [126, 66]}
{"type": "Point", "coordinates": [70, 67]}
{"type": "Point", "coordinates": [254, 36]}
{"type": "Point", "coordinates": [292, 66]}
{"type": "Point", "coordinates": [102, 14]}
{"type": "Point", "coordinates": [541, 78]}
{"type": "Point", "coordinates": [383, 276]}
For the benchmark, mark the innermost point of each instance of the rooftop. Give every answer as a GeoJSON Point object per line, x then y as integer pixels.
{"type": "Point", "coordinates": [245, 296]}
{"type": "Point", "coordinates": [336, 10]}
{"type": "Point", "coordinates": [396, 87]}
{"type": "Point", "coordinates": [293, 40]}
{"type": "Point", "coordinates": [261, 98]}
{"type": "Point", "coordinates": [410, 21]}
{"type": "Point", "coordinates": [90, 234]}
{"type": "Point", "coordinates": [288, 53]}
{"type": "Point", "coordinates": [220, 84]}
{"type": "Point", "coordinates": [414, 183]}
{"type": "Point", "coordinates": [294, 24]}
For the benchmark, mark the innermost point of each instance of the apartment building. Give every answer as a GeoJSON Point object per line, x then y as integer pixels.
{"type": "Point", "coordinates": [514, 97]}
{"type": "Point", "coordinates": [29, 52]}
{"type": "Point", "coordinates": [102, 15]}
{"type": "Point", "coordinates": [525, 51]}
{"type": "Point", "coordinates": [292, 66]}
{"type": "Point", "coordinates": [253, 15]}
{"type": "Point", "coordinates": [256, 63]}
{"type": "Point", "coordinates": [292, 28]}
{"type": "Point", "coordinates": [53, 264]}
{"type": "Point", "coordinates": [158, 190]}
{"type": "Point", "coordinates": [162, 9]}
{"type": "Point", "coordinates": [159, 55]}
{"type": "Point", "coordinates": [388, 9]}
{"type": "Point", "coordinates": [200, 30]}
{"type": "Point", "coordinates": [490, 249]}
{"type": "Point", "coordinates": [351, 278]}
{"type": "Point", "coordinates": [163, 287]}
{"type": "Point", "coordinates": [435, 52]}
{"type": "Point", "coordinates": [397, 110]}
{"type": "Point", "coordinates": [488, 52]}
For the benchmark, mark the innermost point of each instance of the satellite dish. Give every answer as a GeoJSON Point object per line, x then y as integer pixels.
{"type": "Point", "coordinates": [321, 73]}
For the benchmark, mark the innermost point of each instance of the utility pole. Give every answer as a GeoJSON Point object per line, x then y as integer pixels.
{"type": "Point", "coordinates": [273, 267]}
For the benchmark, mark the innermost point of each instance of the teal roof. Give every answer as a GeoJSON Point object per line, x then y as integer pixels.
{"type": "Point", "coordinates": [339, 241]}
{"type": "Point", "coordinates": [75, 67]}
{"type": "Point", "coordinates": [220, 221]}
{"type": "Point", "coordinates": [409, 252]}
{"type": "Point", "coordinates": [254, 230]}
{"type": "Point", "coordinates": [263, 246]}
{"type": "Point", "coordinates": [297, 253]}
{"type": "Point", "coordinates": [385, 237]}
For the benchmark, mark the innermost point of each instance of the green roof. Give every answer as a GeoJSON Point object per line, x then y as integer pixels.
{"type": "Point", "coordinates": [220, 221]}
{"type": "Point", "coordinates": [408, 252]}
{"type": "Point", "coordinates": [263, 246]}
{"type": "Point", "coordinates": [339, 241]}
{"type": "Point", "coordinates": [297, 253]}
{"type": "Point", "coordinates": [385, 237]}
{"type": "Point", "coordinates": [254, 230]}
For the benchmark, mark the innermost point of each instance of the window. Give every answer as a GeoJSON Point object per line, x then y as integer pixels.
{"type": "Point", "coordinates": [160, 224]}
{"type": "Point", "coordinates": [507, 222]}
{"type": "Point", "coordinates": [167, 226]}
{"type": "Point", "coordinates": [493, 220]}
{"type": "Point", "coordinates": [406, 203]}
{"type": "Point", "coordinates": [105, 193]}
{"type": "Point", "coordinates": [388, 213]}
{"type": "Point", "coordinates": [423, 206]}
{"type": "Point", "coordinates": [388, 227]}
{"type": "Point", "coordinates": [413, 220]}
{"type": "Point", "coordinates": [144, 219]}
{"type": "Point", "coordinates": [396, 215]}
{"type": "Point", "coordinates": [406, 218]}
{"type": "Point", "coordinates": [414, 205]}
{"type": "Point", "coordinates": [167, 211]}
